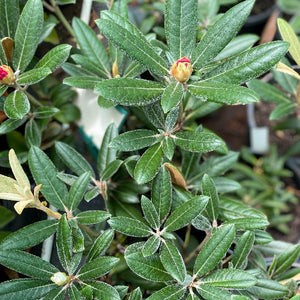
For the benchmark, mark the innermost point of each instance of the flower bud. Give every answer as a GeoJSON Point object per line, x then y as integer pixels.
{"type": "Point", "coordinates": [60, 278]}
{"type": "Point", "coordinates": [6, 75]}
{"type": "Point", "coordinates": [182, 69]}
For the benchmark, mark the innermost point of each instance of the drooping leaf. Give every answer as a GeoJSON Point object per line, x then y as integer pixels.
{"type": "Point", "coordinates": [217, 38]}
{"type": "Point", "coordinates": [44, 172]}
{"type": "Point", "coordinates": [149, 164]}
{"type": "Point", "coordinates": [130, 91]}
{"type": "Point", "coordinates": [16, 105]}
{"type": "Point", "coordinates": [180, 27]}
{"type": "Point", "coordinates": [214, 250]}
{"type": "Point", "coordinates": [28, 33]}
{"type": "Point", "coordinates": [173, 261]}
{"type": "Point", "coordinates": [149, 268]}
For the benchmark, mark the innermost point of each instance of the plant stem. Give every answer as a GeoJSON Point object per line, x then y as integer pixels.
{"type": "Point", "coordinates": [33, 100]}
{"type": "Point", "coordinates": [187, 238]}
{"type": "Point", "coordinates": [61, 17]}
{"type": "Point", "coordinates": [198, 248]}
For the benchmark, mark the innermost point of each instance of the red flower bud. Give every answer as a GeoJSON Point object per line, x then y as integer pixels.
{"type": "Point", "coordinates": [182, 69]}
{"type": "Point", "coordinates": [6, 75]}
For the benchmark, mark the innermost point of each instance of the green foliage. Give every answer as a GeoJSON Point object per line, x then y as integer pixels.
{"type": "Point", "coordinates": [169, 226]}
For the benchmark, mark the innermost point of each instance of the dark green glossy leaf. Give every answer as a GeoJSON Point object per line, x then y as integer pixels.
{"type": "Point", "coordinates": [28, 33]}
{"type": "Point", "coordinates": [9, 16]}
{"type": "Point", "coordinates": [16, 105]}
{"type": "Point", "coordinates": [130, 226]}
{"type": "Point", "coordinates": [214, 250]}
{"type": "Point", "coordinates": [33, 76]}
{"type": "Point", "coordinates": [151, 245]}
{"type": "Point", "coordinates": [92, 216]}
{"type": "Point", "coordinates": [97, 267]}
{"type": "Point", "coordinates": [220, 34]}
{"type": "Point", "coordinates": [209, 189]}
{"type": "Point", "coordinates": [32, 134]}
{"type": "Point", "coordinates": [209, 292]}
{"type": "Point", "coordinates": [180, 27]}
{"type": "Point", "coordinates": [136, 294]}
{"type": "Point", "coordinates": [150, 212]}
{"type": "Point", "coordinates": [149, 268]}
{"type": "Point", "coordinates": [149, 164]}
{"type": "Point", "coordinates": [249, 223]}
{"type": "Point", "coordinates": [130, 91]}
{"type": "Point", "coordinates": [103, 291]}
{"type": "Point", "coordinates": [171, 292]}
{"type": "Point", "coordinates": [44, 112]}
{"type": "Point", "coordinates": [134, 140]}
{"type": "Point", "coordinates": [171, 96]}
{"type": "Point", "coordinates": [44, 172]}
{"type": "Point", "coordinates": [172, 261]}
{"type": "Point", "coordinates": [73, 159]}
{"type": "Point", "coordinates": [111, 169]}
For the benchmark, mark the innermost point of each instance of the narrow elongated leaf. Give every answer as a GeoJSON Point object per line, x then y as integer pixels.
{"type": "Point", "coordinates": [45, 112]}
{"type": "Point", "coordinates": [9, 16]}
{"type": "Point", "coordinates": [149, 268]}
{"type": "Point", "coordinates": [28, 33]}
{"type": "Point", "coordinates": [171, 96]}
{"type": "Point", "coordinates": [92, 216]}
{"type": "Point", "coordinates": [97, 267]}
{"type": "Point", "coordinates": [64, 242]}
{"type": "Point", "coordinates": [56, 294]}
{"type": "Point", "coordinates": [16, 105]}
{"type": "Point", "coordinates": [55, 57]}
{"type": "Point", "coordinates": [33, 76]}
{"type": "Point", "coordinates": [226, 185]}
{"type": "Point", "coordinates": [243, 248]}
{"type": "Point", "coordinates": [162, 193]}
{"type": "Point", "coordinates": [100, 244]}
{"type": "Point", "coordinates": [106, 154]}
{"type": "Point", "coordinates": [134, 140]}
{"type": "Point", "coordinates": [173, 261]}
{"type": "Point", "coordinates": [214, 250]}
{"type": "Point", "coordinates": [27, 264]}
{"type": "Point", "coordinates": [129, 91]}
{"type": "Point", "coordinates": [103, 291]}
{"type": "Point", "coordinates": [150, 212]}
{"type": "Point", "coordinates": [111, 169]}
{"type": "Point", "coordinates": [44, 172]}
{"type": "Point", "coordinates": [11, 124]}
{"type": "Point", "coordinates": [168, 147]}
{"type": "Point", "coordinates": [268, 289]}
{"type": "Point", "coordinates": [135, 45]}
{"type": "Point", "coordinates": [171, 292]}
{"type": "Point", "coordinates": [154, 113]}
{"type": "Point", "coordinates": [185, 213]}
{"type": "Point", "coordinates": [235, 279]}
{"type": "Point", "coordinates": [289, 35]}
{"type": "Point", "coordinates": [26, 289]}
{"type": "Point", "coordinates": [180, 27]}
{"type": "Point", "coordinates": [73, 293]}
{"type": "Point", "coordinates": [78, 190]}
{"type": "Point", "coordinates": [91, 46]}
{"type": "Point", "coordinates": [217, 38]}
{"type": "Point", "coordinates": [223, 93]}
{"type": "Point", "coordinates": [3, 89]}
{"type": "Point", "coordinates": [209, 292]}
{"type": "Point", "coordinates": [149, 164]}
{"type": "Point", "coordinates": [209, 189]}
{"type": "Point", "coordinates": [136, 294]}
{"type": "Point", "coordinates": [82, 82]}
{"type": "Point", "coordinates": [248, 64]}
{"type": "Point", "coordinates": [29, 235]}
{"type": "Point", "coordinates": [130, 226]}
{"type": "Point", "coordinates": [282, 110]}
{"type": "Point", "coordinates": [268, 92]}
{"type": "Point", "coordinates": [74, 160]}
{"type": "Point", "coordinates": [32, 134]}
{"type": "Point", "coordinates": [197, 141]}
{"type": "Point", "coordinates": [249, 223]}
{"type": "Point", "coordinates": [151, 245]}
